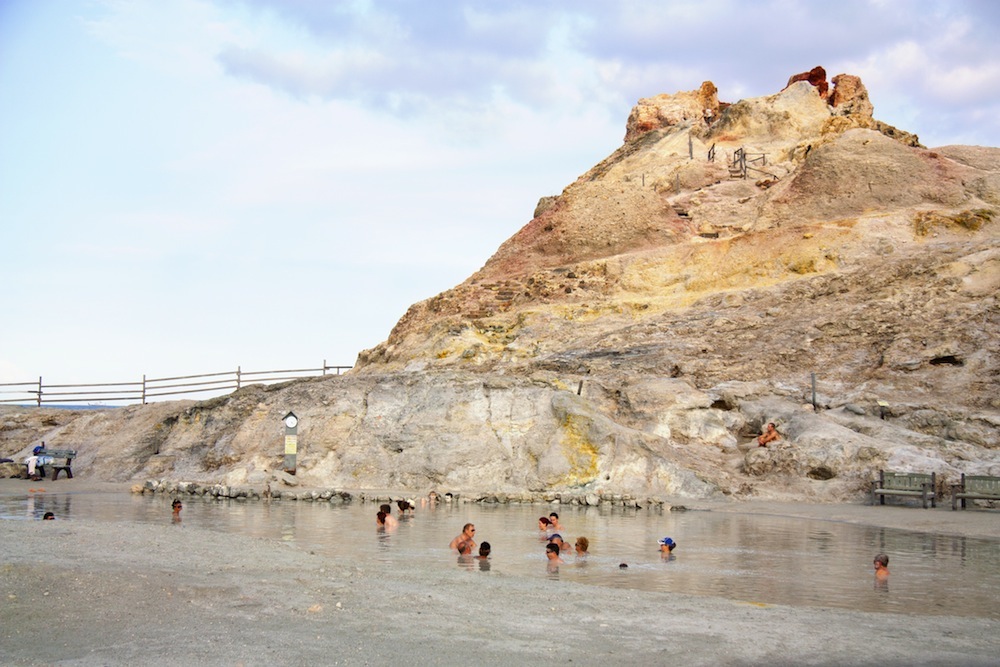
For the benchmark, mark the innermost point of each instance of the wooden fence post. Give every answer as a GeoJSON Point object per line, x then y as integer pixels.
{"type": "Point", "coordinates": [39, 391]}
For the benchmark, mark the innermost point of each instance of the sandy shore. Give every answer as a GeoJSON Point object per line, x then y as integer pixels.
{"type": "Point", "coordinates": [98, 593]}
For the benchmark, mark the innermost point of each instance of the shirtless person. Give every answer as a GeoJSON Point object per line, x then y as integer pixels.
{"type": "Point", "coordinates": [552, 554]}
{"type": "Point", "coordinates": [881, 567]}
{"type": "Point", "coordinates": [770, 435]}
{"type": "Point", "coordinates": [390, 520]}
{"type": "Point", "coordinates": [468, 532]}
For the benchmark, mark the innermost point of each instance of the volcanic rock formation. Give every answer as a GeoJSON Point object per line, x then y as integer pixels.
{"type": "Point", "coordinates": [635, 334]}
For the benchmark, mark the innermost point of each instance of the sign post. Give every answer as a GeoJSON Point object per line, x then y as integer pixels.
{"type": "Point", "coordinates": [291, 441]}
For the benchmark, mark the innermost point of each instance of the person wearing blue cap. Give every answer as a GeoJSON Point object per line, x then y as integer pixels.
{"type": "Point", "coordinates": [666, 546]}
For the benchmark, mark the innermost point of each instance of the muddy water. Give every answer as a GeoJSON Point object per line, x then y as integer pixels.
{"type": "Point", "coordinates": [752, 558]}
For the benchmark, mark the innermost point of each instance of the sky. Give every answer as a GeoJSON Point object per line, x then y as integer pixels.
{"type": "Point", "coordinates": [191, 186]}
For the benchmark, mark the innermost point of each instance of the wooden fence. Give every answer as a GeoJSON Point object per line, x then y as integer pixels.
{"type": "Point", "coordinates": [117, 393]}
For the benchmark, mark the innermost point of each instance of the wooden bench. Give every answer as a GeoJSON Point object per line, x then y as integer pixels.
{"type": "Point", "coordinates": [908, 484]}
{"type": "Point", "coordinates": [977, 487]}
{"type": "Point", "coordinates": [58, 459]}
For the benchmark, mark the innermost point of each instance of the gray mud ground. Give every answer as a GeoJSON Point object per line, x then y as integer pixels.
{"type": "Point", "coordinates": [97, 593]}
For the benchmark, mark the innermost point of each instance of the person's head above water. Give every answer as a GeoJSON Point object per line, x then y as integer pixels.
{"type": "Point", "coordinates": [484, 549]}
{"type": "Point", "coordinates": [667, 544]}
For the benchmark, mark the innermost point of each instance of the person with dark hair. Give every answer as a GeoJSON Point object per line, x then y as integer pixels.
{"type": "Point", "coordinates": [467, 535]}
{"type": "Point", "coordinates": [554, 523]}
{"type": "Point", "coordinates": [403, 506]}
{"type": "Point", "coordinates": [176, 506]}
{"type": "Point", "coordinates": [390, 520]}
{"type": "Point", "coordinates": [48, 516]}
{"type": "Point", "coordinates": [881, 567]}
{"type": "Point", "coordinates": [770, 434]}
{"type": "Point", "coordinates": [484, 556]}
{"type": "Point", "coordinates": [380, 519]}
{"type": "Point", "coordinates": [552, 554]}
{"type": "Point", "coordinates": [543, 524]}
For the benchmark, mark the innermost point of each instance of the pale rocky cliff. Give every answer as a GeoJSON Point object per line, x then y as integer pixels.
{"type": "Point", "coordinates": [634, 334]}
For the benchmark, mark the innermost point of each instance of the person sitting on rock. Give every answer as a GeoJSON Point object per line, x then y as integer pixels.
{"type": "Point", "coordinates": [770, 434]}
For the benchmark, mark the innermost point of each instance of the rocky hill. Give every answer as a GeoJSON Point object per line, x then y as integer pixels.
{"type": "Point", "coordinates": [635, 334]}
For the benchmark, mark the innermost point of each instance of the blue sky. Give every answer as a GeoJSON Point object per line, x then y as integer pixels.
{"type": "Point", "coordinates": [187, 186]}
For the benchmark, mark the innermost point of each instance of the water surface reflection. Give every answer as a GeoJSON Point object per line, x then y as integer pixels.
{"type": "Point", "coordinates": [753, 558]}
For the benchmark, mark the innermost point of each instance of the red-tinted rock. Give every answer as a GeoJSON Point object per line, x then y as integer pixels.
{"type": "Point", "coordinates": [816, 76]}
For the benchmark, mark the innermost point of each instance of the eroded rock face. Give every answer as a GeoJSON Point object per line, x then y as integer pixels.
{"type": "Point", "coordinates": [665, 111]}
{"type": "Point", "coordinates": [649, 320]}
{"type": "Point", "coordinates": [816, 77]}
{"type": "Point", "coordinates": [850, 97]}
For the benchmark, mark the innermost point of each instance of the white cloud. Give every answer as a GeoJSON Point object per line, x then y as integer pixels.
{"type": "Point", "coordinates": [197, 160]}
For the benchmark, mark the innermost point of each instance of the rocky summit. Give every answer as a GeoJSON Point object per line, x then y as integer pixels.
{"type": "Point", "coordinates": [785, 259]}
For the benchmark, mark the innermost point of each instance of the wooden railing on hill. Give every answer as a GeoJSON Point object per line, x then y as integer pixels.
{"type": "Point", "coordinates": [116, 393]}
